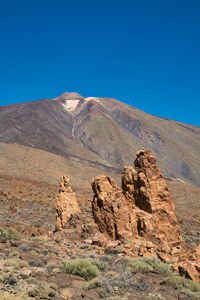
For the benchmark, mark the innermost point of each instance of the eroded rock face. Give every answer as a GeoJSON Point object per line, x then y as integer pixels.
{"type": "Point", "coordinates": [110, 209]}
{"type": "Point", "coordinates": [156, 218]}
{"type": "Point", "coordinates": [66, 204]}
{"type": "Point", "coordinates": [142, 210]}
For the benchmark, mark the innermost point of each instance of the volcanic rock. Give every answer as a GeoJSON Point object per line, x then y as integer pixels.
{"type": "Point", "coordinates": [110, 209]}
{"type": "Point", "coordinates": [66, 204]}
{"type": "Point", "coordinates": [156, 220]}
{"type": "Point", "coordinates": [142, 211]}
{"type": "Point", "coordinates": [189, 271]}
{"type": "Point", "coordinates": [188, 264]}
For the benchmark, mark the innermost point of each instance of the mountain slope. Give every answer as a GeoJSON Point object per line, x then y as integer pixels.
{"type": "Point", "coordinates": [102, 132]}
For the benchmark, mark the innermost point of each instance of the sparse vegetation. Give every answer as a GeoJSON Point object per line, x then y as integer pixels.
{"type": "Point", "coordinates": [13, 254]}
{"type": "Point", "coordinates": [120, 264]}
{"type": "Point", "coordinates": [51, 266]}
{"type": "Point", "coordinates": [150, 264]}
{"type": "Point", "coordinates": [9, 234]}
{"type": "Point", "coordinates": [113, 298]}
{"type": "Point", "coordinates": [100, 264]}
{"type": "Point", "coordinates": [8, 278]}
{"type": "Point", "coordinates": [125, 281]}
{"type": "Point", "coordinates": [43, 291]}
{"type": "Point", "coordinates": [185, 284]}
{"type": "Point", "coordinates": [16, 263]}
{"type": "Point", "coordinates": [8, 296]}
{"type": "Point", "coordinates": [38, 223]}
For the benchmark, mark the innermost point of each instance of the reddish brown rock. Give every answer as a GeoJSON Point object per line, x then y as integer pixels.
{"type": "Point", "coordinates": [157, 221]}
{"type": "Point", "coordinates": [129, 183]}
{"type": "Point", "coordinates": [194, 254]}
{"type": "Point", "coordinates": [99, 239]}
{"type": "Point", "coordinates": [110, 209]}
{"type": "Point", "coordinates": [66, 204]}
{"type": "Point", "coordinates": [189, 264]}
{"type": "Point", "coordinates": [143, 210]}
{"type": "Point", "coordinates": [151, 191]}
{"type": "Point", "coordinates": [189, 271]}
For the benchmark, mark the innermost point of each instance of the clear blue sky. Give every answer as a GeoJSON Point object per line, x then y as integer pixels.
{"type": "Point", "coordinates": [145, 53]}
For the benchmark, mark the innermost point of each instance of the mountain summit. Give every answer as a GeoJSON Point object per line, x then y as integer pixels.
{"type": "Point", "coordinates": [102, 132]}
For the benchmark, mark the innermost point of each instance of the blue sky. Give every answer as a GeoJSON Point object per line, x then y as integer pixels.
{"type": "Point", "coordinates": [145, 53]}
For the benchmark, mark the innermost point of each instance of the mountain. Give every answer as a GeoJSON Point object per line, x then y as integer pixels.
{"type": "Point", "coordinates": [104, 133]}
{"type": "Point", "coordinates": [91, 136]}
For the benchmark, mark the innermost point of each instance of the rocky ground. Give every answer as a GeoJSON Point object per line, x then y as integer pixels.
{"type": "Point", "coordinates": [32, 268]}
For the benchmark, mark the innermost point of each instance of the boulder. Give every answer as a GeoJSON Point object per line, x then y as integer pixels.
{"type": "Point", "coordinates": [189, 271]}
{"type": "Point", "coordinates": [188, 264]}
{"type": "Point", "coordinates": [66, 204]}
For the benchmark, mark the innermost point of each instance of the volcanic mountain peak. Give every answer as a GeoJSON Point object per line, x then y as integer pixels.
{"type": "Point", "coordinates": [103, 131]}
{"type": "Point", "coordinates": [69, 96]}
{"type": "Point", "coordinates": [69, 100]}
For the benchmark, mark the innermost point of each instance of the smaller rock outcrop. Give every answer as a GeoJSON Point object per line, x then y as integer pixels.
{"type": "Point", "coordinates": [66, 204]}
{"type": "Point", "coordinates": [189, 264]}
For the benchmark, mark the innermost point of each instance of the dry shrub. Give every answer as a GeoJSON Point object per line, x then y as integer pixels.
{"type": "Point", "coordinates": [8, 296]}
{"type": "Point", "coordinates": [150, 264]}
{"type": "Point", "coordinates": [9, 234]}
{"type": "Point", "coordinates": [82, 267]}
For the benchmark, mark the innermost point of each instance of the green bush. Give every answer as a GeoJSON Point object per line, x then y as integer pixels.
{"type": "Point", "coordinates": [101, 265]}
{"type": "Point", "coordinates": [184, 284]}
{"type": "Point", "coordinates": [9, 234]}
{"type": "Point", "coordinates": [150, 264]}
{"type": "Point", "coordinates": [82, 267]}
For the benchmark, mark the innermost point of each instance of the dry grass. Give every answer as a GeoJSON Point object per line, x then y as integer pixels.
{"type": "Point", "coordinates": [17, 263]}
{"type": "Point", "coordinates": [8, 296]}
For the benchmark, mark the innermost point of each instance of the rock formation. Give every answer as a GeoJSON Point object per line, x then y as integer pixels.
{"type": "Point", "coordinates": [143, 211]}
{"type": "Point", "coordinates": [66, 204]}
{"type": "Point", "coordinates": [110, 209]}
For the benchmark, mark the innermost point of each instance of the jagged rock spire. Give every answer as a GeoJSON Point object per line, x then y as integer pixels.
{"type": "Point", "coordinates": [66, 204]}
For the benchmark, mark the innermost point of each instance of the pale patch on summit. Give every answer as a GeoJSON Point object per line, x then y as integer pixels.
{"type": "Point", "coordinates": [70, 105]}
{"type": "Point", "coordinates": [91, 98]}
